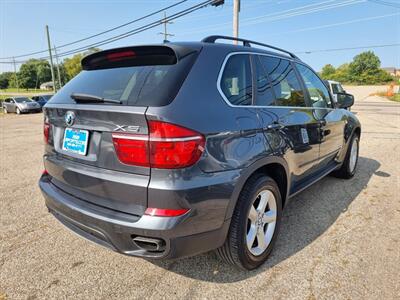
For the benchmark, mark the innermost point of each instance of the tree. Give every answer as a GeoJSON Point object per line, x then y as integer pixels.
{"type": "Point", "coordinates": [365, 69]}
{"type": "Point", "coordinates": [328, 71]}
{"type": "Point", "coordinates": [33, 73]}
{"type": "Point", "coordinates": [5, 79]}
{"type": "Point", "coordinates": [73, 65]}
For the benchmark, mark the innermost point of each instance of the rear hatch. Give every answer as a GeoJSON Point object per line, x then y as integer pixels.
{"type": "Point", "coordinates": [84, 116]}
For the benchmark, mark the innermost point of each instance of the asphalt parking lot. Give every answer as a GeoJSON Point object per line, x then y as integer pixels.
{"type": "Point", "coordinates": [339, 238]}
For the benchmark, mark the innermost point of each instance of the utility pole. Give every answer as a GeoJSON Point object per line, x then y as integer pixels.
{"type": "Point", "coordinates": [58, 67]}
{"type": "Point", "coordinates": [15, 74]}
{"type": "Point", "coordinates": [236, 10]}
{"type": "Point", "coordinates": [51, 59]}
{"type": "Point", "coordinates": [165, 33]}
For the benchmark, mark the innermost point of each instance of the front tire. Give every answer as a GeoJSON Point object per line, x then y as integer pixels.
{"type": "Point", "coordinates": [18, 111]}
{"type": "Point", "coordinates": [349, 166]}
{"type": "Point", "coordinates": [254, 224]}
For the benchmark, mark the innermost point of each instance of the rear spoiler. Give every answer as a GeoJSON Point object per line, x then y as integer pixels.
{"type": "Point", "coordinates": [136, 56]}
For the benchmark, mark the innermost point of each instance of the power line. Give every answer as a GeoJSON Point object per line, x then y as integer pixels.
{"type": "Point", "coordinates": [385, 3]}
{"type": "Point", "coordinates": [348, 48]}
{"type": "Point", "coordinates": [101, 33]}
{"type": "Point", "coordinates": [134, 31]}
{"type": "Point", "coordinates": [302, 10]}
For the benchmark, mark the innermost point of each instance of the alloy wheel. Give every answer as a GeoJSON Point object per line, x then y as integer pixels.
{"type": "Point", "coordinates": [261, 222]}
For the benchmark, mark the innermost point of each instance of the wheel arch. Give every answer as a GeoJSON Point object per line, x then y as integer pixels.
{"type": "Point", "coordinates": [273, 166]}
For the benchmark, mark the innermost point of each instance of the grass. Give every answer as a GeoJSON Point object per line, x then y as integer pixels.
{"type": "Point", "coordinates": [15, 90]}
{"type": "Point", "coordinates": [395, 97]}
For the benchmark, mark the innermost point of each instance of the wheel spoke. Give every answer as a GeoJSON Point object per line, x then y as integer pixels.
{"type": "Point", "coordinates": [262, 205]}
{"type": "Point", "coordinates": [261, 240]}
{"type": "Point", "coordinates": [269, 216]}
{"type": "Point", "coordinates": [253, 215]}
{"type": "Point", "coordinates": [251, 236]}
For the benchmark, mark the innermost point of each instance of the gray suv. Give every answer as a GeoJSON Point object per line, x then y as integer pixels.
{"type": "Point", "coordinates": [166, 151]}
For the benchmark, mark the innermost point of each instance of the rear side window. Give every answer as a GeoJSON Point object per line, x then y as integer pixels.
{"type": "Point", "coordinates": [236, 81]}
{"type": "Point", "coordinates": [287, 88]}
{"type": "Point", "coordinates": [137, 85]}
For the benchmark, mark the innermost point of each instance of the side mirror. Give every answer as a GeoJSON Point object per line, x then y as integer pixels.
{"type": "Point", "coordinates": [345, 100]}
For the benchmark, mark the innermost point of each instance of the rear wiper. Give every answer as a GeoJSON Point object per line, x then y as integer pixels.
{"type": "Point", "coordinates": [85, 98]}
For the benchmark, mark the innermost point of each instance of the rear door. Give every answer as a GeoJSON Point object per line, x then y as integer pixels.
{"type": "Point", "coordinates": [81, 153]}
{"type": "Point", "coordinates": [289, 125]}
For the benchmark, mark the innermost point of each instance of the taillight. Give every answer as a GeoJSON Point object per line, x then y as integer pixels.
{"type": "Point", "coordinates": [46, 130]}
{"type": "Point", "coordinates": [167, 146]}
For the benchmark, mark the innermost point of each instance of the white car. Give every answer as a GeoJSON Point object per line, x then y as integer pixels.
{"type": "Point", "coordinates": [338, 92]}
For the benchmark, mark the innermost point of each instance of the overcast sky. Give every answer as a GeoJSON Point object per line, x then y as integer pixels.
{"type": "Point", "coordinates": [296, 25]}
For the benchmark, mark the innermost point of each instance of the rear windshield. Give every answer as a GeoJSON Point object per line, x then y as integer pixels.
{"type": "Point", "coordinates": [135, 86]}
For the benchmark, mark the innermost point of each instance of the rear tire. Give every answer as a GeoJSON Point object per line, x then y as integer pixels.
{"type": "Point", "coordinates": [254, 224]}
{"type": "Point", "coordinates": [349, 166]}
{"type": "Point", "coordinates": [5, 110]}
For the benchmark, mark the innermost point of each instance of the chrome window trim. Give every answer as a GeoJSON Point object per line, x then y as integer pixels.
{"type": "Point", "coordinates": [221, 71]}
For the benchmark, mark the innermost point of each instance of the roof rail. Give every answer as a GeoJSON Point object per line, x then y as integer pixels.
{"type": "Point", "coordinates": [246, 43]}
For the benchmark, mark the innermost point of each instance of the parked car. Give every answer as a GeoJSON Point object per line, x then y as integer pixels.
{"type": "Point", "coordinates": [20, 105]}
{"type": "Point", "coordinates": [339, 94]}
{"type": "Point", "coordinates": [42, 99]}
{"type": "Point", "coordinates": [165, 151]}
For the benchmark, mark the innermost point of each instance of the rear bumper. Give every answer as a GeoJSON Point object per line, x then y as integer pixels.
{"type": "Point", "coordinates": [116, 230]}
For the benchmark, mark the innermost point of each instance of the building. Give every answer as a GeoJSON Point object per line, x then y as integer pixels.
{"type": "Point", "coordinates": [392, 71]}
{"type": "Point", "coordinates": [47, 86]}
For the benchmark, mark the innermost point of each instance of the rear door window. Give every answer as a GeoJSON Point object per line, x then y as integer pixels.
{"type": "Point", "coordinates": [236, 81]}
{"type": "Point", "coordinates": [265, 95]}
{"type": "Point", "coordinates": [286, 86]}
{"type": "Point", "coordinates": [141, 85]}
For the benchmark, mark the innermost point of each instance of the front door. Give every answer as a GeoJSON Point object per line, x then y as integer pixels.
{"type": "Point", "coordinates": [331, 120]}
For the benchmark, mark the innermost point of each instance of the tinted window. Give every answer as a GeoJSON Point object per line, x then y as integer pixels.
{"type": "Point", "coordinates": [337, 88]}
{"type": "Point", "coordinates": [317, 90]}
{"type": "Point", "coordinates": [236, 80]}
{"type": "Point", "coordinates": [286, 86]}
{"type": "Point", "coordinates": [154, 85]}
{"type": "Point", "coordinates": [265, 95]}
{"type": "Point", "coordinates": [22, 100]}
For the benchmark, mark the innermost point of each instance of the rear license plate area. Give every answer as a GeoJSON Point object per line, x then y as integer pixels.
{"type": "Point", "coordinates": [75, 141]}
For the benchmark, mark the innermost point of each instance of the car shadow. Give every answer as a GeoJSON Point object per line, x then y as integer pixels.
{"type": "Point", "coordinates": [305, 218]}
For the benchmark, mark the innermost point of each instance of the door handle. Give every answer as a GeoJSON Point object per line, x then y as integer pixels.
{"type": "Point", "coordinates": [274, 126]}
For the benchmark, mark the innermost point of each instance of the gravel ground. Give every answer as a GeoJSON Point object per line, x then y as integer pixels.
{"type": "Point", "coordinates": [339, 238]}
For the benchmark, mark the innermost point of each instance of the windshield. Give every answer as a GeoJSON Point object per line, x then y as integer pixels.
{"type": "Point", "coordinates": [46, 97]}
{"type": "Point", "coordinates": [337, 88]}
{"type": "Point", "coordinates": [137, 85]}
{"type": "Point", "coordinates": [22, 100]}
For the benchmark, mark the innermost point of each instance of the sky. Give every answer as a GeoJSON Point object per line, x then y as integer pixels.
{"type": "Point", "coordinates": [295, 25]}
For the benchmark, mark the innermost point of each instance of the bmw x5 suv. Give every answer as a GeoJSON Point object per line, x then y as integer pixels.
{"type": "Point", "coordinates": [166, 151]}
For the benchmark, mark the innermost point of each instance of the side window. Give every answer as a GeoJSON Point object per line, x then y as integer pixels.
{"type": "Point", "coordinates": [287, 88]}
{"type": "Point", "coordinates": [236, 81]}
{"type": "Point", "coordinates": [317, 90]}
{"type": "Point", "coordinates": [7, 100]}
{"type": "Point", "coordinates": [265, 95]}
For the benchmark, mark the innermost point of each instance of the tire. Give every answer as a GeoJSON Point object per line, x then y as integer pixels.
{"type": "Point", "coordinates": [235, 250]}
{"type": "Point", "coordinates": [5, 110]}
{"type": "Point", "coordinates": [17, 111]}
{"type": "Point", "coordinates": [349, 166]}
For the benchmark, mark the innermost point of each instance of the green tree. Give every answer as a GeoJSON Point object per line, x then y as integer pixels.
{"type": "Point", "coordinates": [5, 79]}
{"type": "Point", "coordinates": [73, 65]}
{"type": "Point", "coordinates": [328, 72]}
{"type": "Point", "coordinates": [33, 73]}
{"type": "Point", "coordinates": [365, 69]}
